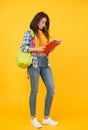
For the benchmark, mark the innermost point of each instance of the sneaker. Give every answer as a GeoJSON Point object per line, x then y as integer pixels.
{"type": "Point", "coordinates": [35, 123]}
{"type": "Point", "coordinates": [50, 122]}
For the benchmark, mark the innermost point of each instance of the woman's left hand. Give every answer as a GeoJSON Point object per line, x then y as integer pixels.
{"type": "Point", "coordinates": [51, 50]}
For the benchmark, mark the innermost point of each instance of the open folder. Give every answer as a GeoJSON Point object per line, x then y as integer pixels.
{"type": "Point", "coordinates": [50, 46]}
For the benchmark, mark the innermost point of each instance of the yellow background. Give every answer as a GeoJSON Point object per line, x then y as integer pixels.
{"type": "Point", "coordinates": [69, 62]}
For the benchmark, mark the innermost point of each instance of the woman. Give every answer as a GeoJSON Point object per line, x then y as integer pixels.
{"type": "Point", "coordinates": [40, 66]}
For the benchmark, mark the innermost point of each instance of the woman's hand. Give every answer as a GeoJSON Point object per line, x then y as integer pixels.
{"type": "Point", "coordinates": [51, 50]}
{"type": "Point", "coordinates": [40, 49]}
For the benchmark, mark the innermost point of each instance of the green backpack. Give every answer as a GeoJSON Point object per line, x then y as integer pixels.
{"type": "Point", "coordinates": [24, 59]}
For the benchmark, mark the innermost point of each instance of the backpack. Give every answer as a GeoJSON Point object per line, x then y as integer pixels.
{"type": "Point", "coordinates": [24, 59]}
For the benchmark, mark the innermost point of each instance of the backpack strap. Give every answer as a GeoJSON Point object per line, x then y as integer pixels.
{"type": "Point", "coordinates": [32, 33]}
{"type": "Point", "coordinates": [33, 44]}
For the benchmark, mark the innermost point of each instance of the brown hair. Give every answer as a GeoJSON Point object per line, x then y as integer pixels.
{"type": "Point", "coordinates": [36, 20]}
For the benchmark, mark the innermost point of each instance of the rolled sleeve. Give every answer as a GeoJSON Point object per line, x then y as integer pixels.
{"type": "Point", "coordinates": [27, 41]}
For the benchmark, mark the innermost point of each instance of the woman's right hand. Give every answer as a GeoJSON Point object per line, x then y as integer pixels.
{"type": "Point", "coordinates": [40, 49]}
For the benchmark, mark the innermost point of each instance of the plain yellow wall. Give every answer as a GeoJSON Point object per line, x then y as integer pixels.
{"type": "Point", "coordinates": [69, 61]}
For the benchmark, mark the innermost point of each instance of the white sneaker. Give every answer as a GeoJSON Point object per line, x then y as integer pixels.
{"type": "Point", "coordinates": [35, 123]}
{"type": "Point", "coordinates": [50, 122]}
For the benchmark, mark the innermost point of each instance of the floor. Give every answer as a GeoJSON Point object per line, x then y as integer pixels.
{"type": "Point", "coordinates": [13, 119]}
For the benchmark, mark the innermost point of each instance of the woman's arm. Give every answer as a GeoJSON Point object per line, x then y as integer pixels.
{"type": "Point", "coordinates": [36, 49]}
{"type": "Point", "coordinates": [27, 43]}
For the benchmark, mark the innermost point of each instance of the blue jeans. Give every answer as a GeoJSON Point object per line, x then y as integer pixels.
{"type": "Point", "coordinates": [46, 75]}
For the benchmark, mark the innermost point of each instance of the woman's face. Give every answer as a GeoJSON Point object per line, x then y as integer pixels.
{"type": "Point", "coordinates": [42, 23]}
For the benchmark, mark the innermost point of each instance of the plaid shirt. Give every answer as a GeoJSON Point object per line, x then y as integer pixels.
{"type": "Point", "coordinates": [26, 43]}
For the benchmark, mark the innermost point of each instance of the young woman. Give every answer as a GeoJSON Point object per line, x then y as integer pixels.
{"type": "Point", "coordinates": [40, 66]}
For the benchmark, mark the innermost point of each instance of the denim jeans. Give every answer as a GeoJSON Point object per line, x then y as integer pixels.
{"type": "Point", "coordinates": [46, 75]}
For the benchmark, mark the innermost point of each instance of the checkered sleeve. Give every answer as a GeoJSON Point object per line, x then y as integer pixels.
{"type": "Point", "coordinates": [27, 41]}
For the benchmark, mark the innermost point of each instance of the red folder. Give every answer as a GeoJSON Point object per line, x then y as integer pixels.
{"type": "Point", "coordinates": [50, 46]}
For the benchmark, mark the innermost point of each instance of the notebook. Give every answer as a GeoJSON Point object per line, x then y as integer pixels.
{"type": "Point", "coordinates": [50, 46]}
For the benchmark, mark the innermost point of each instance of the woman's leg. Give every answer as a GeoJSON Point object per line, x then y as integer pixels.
{"type": "Point", "coordinates": [48, 80]}
{"type": "Point", "coordinates": [47, 77]}
{"type": "Point", "coordinates": [34, 80]}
